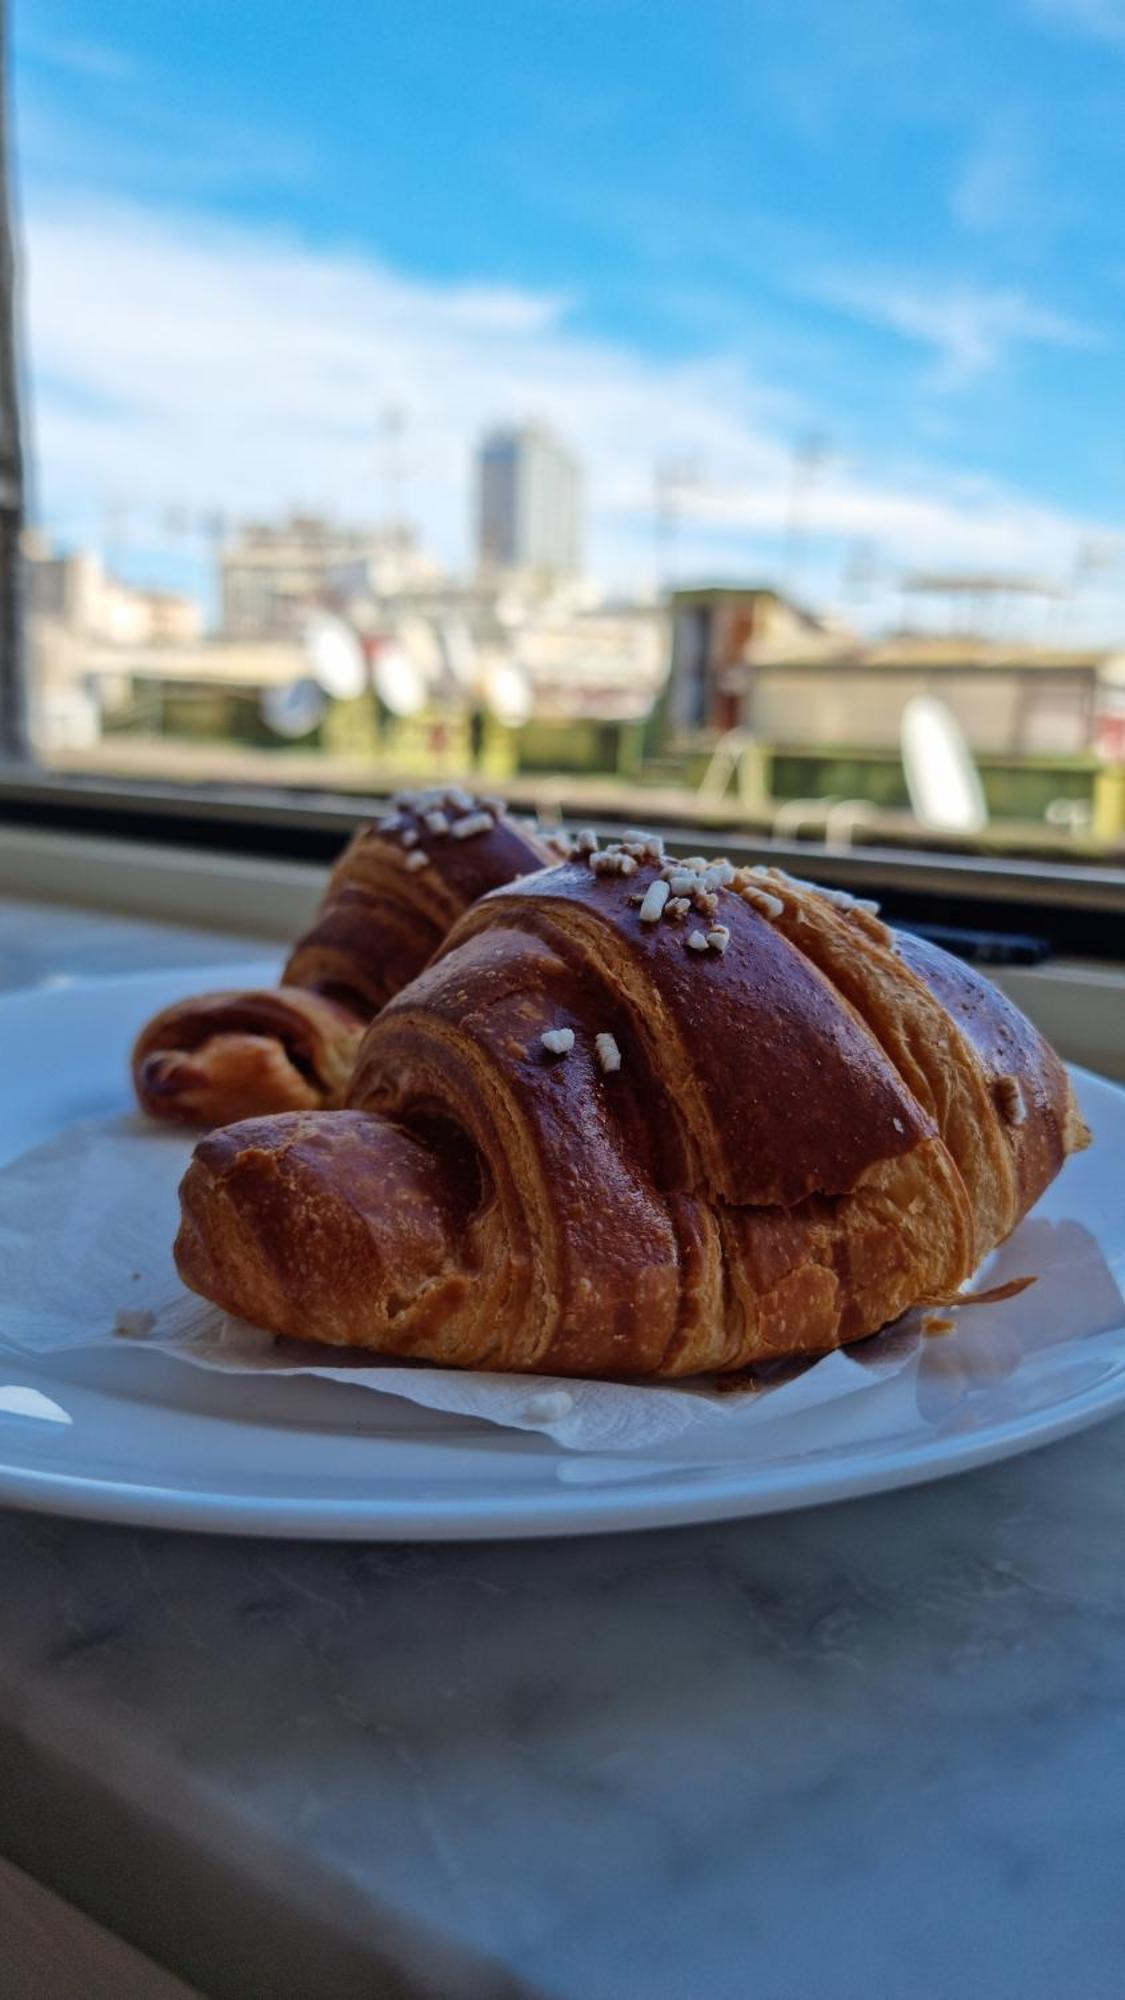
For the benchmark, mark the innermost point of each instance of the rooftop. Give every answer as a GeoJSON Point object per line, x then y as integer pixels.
{"type": "Point", "coordinates": [936, 652]}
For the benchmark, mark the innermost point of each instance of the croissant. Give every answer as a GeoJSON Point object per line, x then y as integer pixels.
{"type": "Point", "coordinates": [642, 1118]}
{"type": "Point", "coordinates": [392, 896]}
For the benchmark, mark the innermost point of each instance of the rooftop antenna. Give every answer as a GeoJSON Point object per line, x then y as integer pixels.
{"type": "Point", "coordinates": [213, 528]}
{"type": "Point", "coordinates": [391, 430]}
{"type": "Point", "coordinates": [673, 481]}
{"type": "Point", "coordinates": [810, 456]}
{"type": "Point", "coordinates": [1094, 556]}
{"type": "Point", "coordinates": [975, 601]}
{"type": "Point", "coordinates": [861, 571]}
{"type": "Point", "coordinates": [115, 533]}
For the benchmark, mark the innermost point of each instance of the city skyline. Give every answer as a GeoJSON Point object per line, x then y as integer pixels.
{"type": "Point", "coordinates": [908, 288]}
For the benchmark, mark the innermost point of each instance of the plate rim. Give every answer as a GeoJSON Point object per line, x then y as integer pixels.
{"type": "Point", "coordinates": [554, 1515]}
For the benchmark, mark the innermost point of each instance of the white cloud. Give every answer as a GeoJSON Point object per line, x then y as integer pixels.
{"type": "Point", "coordinates": [183, 362]}
{"type": "Point", "coordinates": [968, 328]}
{"type": "Point", "coordinates": [84, 58]}
{"type": "Point", "coordinates": [186, 361]}
{"type": "Point", "coordinates": [997, 186]}
{"type": "Point", "coordinates": [1104, 19]}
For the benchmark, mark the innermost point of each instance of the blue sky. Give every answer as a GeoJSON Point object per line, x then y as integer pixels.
{"type": "Point", "coordinates": [693, 231]}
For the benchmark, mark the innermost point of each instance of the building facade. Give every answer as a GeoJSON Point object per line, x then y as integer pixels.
{"type": "Point", "coordinates": [74, 592]}
{"type": "Point", "coordinates": [529, 504]}
{"type": "Point", "coordinates": [716, 632]}
{"type": "Point", "coordinates": [273, 573]}
{"type": "Point", "coordinates": [75, 610]}
{"type": "Point", "coordinates": [747, 660]}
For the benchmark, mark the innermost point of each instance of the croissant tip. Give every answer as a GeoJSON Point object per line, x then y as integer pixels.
{"type": "Point", "coordinates": [160, 1075]}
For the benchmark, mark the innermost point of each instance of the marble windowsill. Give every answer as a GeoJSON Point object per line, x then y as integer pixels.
{"type": "Point", "coordinates": [1080, 1006]}
{"type": "Point", "coordinates": [873, 1749]}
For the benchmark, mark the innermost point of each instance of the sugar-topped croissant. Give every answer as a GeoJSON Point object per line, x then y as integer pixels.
{"type": "Point", "coordinates": [391, 898]}
{"type": "Point", "coordinates": [642, 1118]}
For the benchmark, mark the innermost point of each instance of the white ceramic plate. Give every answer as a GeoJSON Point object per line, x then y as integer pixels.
{"type": "Point", "coordinates": [137, 1437]}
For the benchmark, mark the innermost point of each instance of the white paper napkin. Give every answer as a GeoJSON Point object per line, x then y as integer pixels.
{"type": "Point", "coordinates": [87, 1223]}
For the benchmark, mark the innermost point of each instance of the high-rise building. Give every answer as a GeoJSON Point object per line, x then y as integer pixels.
{"type": "Point", "coordinates": [529, 504]}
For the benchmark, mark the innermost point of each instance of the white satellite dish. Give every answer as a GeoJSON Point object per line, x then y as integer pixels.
{"type": "Point", "coordinates": [335, 656]}
{"type": "Point", "coordinates": [418, 638]}
{"type": "Point", "coordinates": [941, 777]}
{"type": "Point", "coordinates": [399, 682]}
{"type": "Point", "coordinates": [509, 610]}
{"type": "Point", "coordinates": [459, 652]}
{"type": "Point", "coordinates": [508, 693]}
{"type": "Point", "coordinates": [294, 708]}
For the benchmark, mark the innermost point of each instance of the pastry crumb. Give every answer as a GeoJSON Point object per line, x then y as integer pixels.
{"type": "Point", "coordinates": [608, 1053]}
{"type": "Point", "coordinates": [133, 1323]}
{"type": "Point", "coordinates": [656, 895]}
{"type": "Point", "coordinates": [548, 1405]}
{"type": "Point", "coordinates": [472, 824]}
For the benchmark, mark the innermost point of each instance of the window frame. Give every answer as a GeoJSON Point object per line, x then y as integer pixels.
{"type": "Point", "coordinates": [1057, 908]}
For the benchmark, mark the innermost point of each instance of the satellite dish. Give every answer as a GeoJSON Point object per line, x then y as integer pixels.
{"type": "Point", "coordinates": [293, 709]}
{"type": "Point", "coordinates": [509, 609]}
{"type": "Point", "coordinates": [419, 640]}
{"type": "Point", "coordinates": [507, 691]}
{"type": "Point", "coordinates": [399, 682]}
{"type": "Point", "coordinates": [335, 656]}
{"type": "Point", "coordinates": [459, 652]}
{"type": "Point", "coordinates": [941, 777]}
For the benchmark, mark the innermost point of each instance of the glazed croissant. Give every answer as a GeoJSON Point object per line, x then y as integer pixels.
{"type": "Point", "coordinates": [391, 898]}
{"type": "Point", "coordinates": [642, 1118]}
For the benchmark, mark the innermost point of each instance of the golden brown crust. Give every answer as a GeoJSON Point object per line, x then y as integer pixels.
{"type": "Point", "coordinates": [763, 1145]}
{"type": "Point", "coordinates": [389, 903]}
{"type": "Point", "coordinates": [398, 888]}
{"type": "Point", "coordinates": [1025, 1080]}
{"type": "Point", "coordinates": [224, 1056]}
{"type": "Point", "coordinates": [393, 1220]}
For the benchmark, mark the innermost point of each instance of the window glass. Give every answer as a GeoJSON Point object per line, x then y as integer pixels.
{"type": "Point", "coordinates": [654, 409]}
